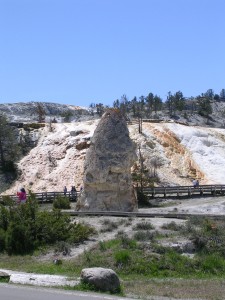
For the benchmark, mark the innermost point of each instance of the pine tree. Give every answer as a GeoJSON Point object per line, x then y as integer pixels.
{"type": "Point", "coordinates": [40, 112]}
{"type": "Point", "coordinates": [204, 106]}
{"type": "Point", "coordinates": [9, 149]}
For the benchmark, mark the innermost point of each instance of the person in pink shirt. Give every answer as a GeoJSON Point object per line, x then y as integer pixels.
{"type": "Point", "coordinates": [22, 196]}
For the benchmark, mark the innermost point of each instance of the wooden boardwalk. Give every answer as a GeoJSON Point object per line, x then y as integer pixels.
{"type": "Point", "coordinates": [150, 192]}
{"type": "Point", "coordinates": [188, 191]}
{"type": "Point", "coordinates": [48, 197]}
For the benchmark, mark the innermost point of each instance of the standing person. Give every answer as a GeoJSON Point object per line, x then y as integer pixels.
{"type": "Point", "coordinates": [65, 190]}
{"type": "Point", "coordinates": [197, 183]}
{"type": "Point", "coordinates": [74, 193]}
{"type": "Point", "coordinates": [194, 183]}
{"type": "Point", "coordinates": [22, 196]}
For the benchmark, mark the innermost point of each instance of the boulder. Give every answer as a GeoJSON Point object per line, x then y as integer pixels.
{"type": "Point", "coordinates": [102, 279]}
{"type": "Point", "coordinates": [107, 170]}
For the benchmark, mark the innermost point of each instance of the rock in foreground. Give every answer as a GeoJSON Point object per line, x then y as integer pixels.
{"type": "Point", "coordinates": [102, 279]}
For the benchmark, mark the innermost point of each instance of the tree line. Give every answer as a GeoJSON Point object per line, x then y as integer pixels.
{"type": "Point", "coordinates": [148, 106]}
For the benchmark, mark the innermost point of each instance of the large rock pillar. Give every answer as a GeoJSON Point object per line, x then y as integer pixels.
{"type": "Point", "coordinates": [107, 168]}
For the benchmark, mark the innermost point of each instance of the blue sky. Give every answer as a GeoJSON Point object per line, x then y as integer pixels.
{"type": "Point", "coordinates": [90, 51]}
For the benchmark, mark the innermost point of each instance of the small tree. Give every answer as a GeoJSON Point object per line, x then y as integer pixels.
{"type": "Point", "coordinates": [9, 148]}
{"type": "Point", "coordinates": [67, 116]}
{"type": "Point", "coordinates": [157, 103]}
{"type": "Point", "coordinates": [222, 94]}
{"type": "Point", "coordinates": [205, 108]}
{"type": "Point", "coordinates": [209, 94]}
{"type": "Point", "coordinates": [179, 101]}
{"type": "Point", "coordinates": [150, 103]}
{"type": "Point", "coordinates": [100, 109]}
{"type": "Point", "coordinates": [40, 112]}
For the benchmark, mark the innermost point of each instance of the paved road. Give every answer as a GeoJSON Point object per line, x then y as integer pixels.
{"type": "Point", "coordinates": [9, 292]}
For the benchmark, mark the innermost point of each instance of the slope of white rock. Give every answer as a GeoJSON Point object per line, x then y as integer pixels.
{"type": "Point", "coordinates": [181, 152]}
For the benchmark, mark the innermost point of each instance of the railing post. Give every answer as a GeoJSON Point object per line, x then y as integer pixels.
{"type": "Point", "coordinates": [189, 192]}
{"type": "Point", "coordinates": [201, 191]}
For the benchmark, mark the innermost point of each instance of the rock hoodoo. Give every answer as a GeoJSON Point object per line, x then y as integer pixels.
{"type": "Point", "coordinates": [107, 168]}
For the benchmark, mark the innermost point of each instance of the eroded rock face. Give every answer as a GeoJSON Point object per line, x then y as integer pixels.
{"type": "Point", "coordinates": [107, 169]}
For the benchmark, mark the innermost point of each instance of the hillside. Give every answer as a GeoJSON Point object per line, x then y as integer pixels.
{"type": "Point", "coordinates": [177, 153]}
{"type": "Point", "coordinates": [28, 112]}
{"type": "Point", "coordinates": [182, 153]}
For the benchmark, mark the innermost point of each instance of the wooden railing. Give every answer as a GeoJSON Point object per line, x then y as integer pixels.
{"type": "Point", "coordinates": [45, 197]}
{"type": "Point", "coordinates": [151, 192]}
{"type": "Point", "coordinates": [184, 190]}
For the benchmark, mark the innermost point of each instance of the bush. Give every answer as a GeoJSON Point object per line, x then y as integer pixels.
{"type": "Point", "coordinates": [144, 235]}
{"type": "Point", "coordinates": [122, 257]}
{"type": "Point", "coordinates": [4, 217]}
{"type": "Point", "coordinates": [80, 232]}
{"type": "Point", "coordinates": [109, 225]}
{"type": "Point", "coordinates": [2, 240]}
{"type": "Point", "coordinates": [19, 239]}
{"type": "Point", "coordinates": [9, 166]}
{"type": "Point", "coordinates": [126, 242]}
{"type": "Point", "coordinates": [7, 201]}
{"type": "Point", "coordinates": [143, 226]}
{"type": "Point", "coordinates": [52, 227]}
{"type": "Point", "coordinates": [23, 228]}
{"type": "Point", "coordinates": [171, 226]}
{"type": "Point", "coordinates": [142, 198]}
{"type": "Point", "coordinates": [62, 247]}
{"type": "Point", "coordinates": [33, 126]}
{"type": "Point", "coordinates": [61, 203]}
{"type": "Point", "coordinates": [212, 264]}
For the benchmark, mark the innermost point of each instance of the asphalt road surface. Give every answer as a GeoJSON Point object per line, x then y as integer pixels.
{"type": "Point", "coordinates": [9, 292]}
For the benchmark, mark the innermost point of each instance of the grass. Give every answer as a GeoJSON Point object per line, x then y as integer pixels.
{"type": "Point", "coordinates": [145, 266]}
{"type": "Point", "coordinates": [179, 288]}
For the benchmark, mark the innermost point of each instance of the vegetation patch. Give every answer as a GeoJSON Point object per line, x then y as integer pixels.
{"type": "Point", "coordinates": [24, 228]}
{"type": "Point", "coordinates": [109, 225]}
{"type": "Point", "coordinates": [145, 265]}
{"type": "Point", "coordinates": [143, 226]}
{"type": "Point", "coordinates": [61, 202]}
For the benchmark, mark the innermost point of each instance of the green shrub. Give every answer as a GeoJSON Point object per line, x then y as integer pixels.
{"type": "Point", "coordinates": [7, 201]}
{"type": "Point", "coordinates": [24, 228]}
{"type": "Point", "coordinates": [212, 264]}
{"type": "Point", "coordinates": [4, 217]}
{"type": "Point", "coordinates": [19, 239]}
{"type": "Point", "coordinates": [110, 244]}
{"type": "Point", "coordinates": [62, 247]}
{"type": "Point", "coordinates": [61, 203]}
{"type": "Point", "coordinates": [33, 126]}
{"type": "Point", "coordinates": [52, 227]}
{"type": "Point", "coordinates": [142, 198]}
{"type": "Point", "coordinates": [2, 240]}
{"type": "Point", "coordinates": [9, 166]}
{"type": "Point", "coordinates": [126, 242]}
{"type": "Point", "coordinates": [144, 235]}
{"type": "Point", "coordinates": [171, 226]}
{"type": "Point", "coordinates": [143, 226]}
{"type": "Point", "coordinates": [122, 257]}
{"type": "Point", "coordinates": [109, 225]}
{"type": "Point", "coordinates": [80, 232]}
